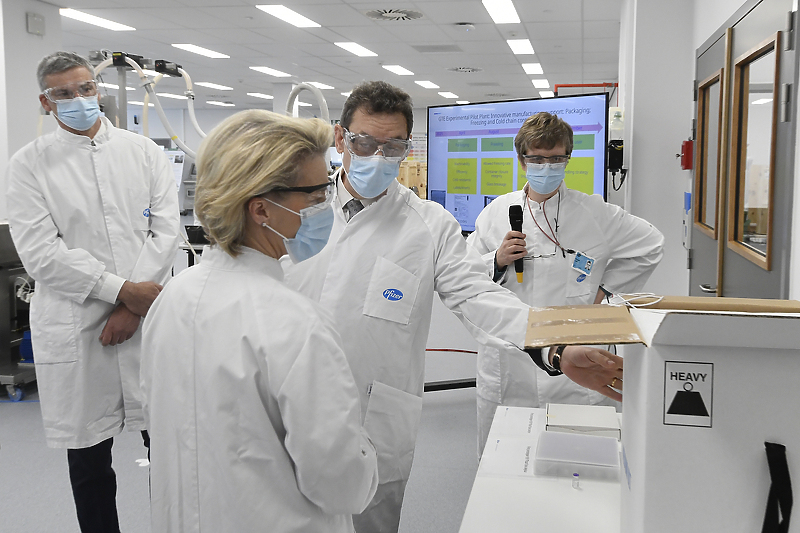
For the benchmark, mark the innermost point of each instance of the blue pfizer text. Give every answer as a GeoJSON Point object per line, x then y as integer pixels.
{"type": "Point", "coordinates": [393, 295]}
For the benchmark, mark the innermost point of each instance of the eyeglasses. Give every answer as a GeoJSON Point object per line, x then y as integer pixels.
{"type": "Point", "coordinates": [70, 90]}
{"type": "Point", "coordinates": [364, 145]}
{"type": "Point", "coordinates": [320, 196]}
{"type": "Point", "coordinates": [541, 160]}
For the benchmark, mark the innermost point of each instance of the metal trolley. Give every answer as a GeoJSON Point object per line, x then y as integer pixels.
{"type": "Point", "coordinates": [16, 288]}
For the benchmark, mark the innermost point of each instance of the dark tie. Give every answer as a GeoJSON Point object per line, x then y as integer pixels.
{"type": "Point", "coordinates": [351, 208]}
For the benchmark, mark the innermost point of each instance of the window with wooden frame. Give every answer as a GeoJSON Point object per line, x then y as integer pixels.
{"type": "Point", "coordinates": [755, 120]}
{"type": "Point", "coordinates": [706, 180]}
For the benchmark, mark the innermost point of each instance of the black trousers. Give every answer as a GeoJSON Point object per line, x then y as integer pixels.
{"type": "Point", "coordinates": [94, 486]}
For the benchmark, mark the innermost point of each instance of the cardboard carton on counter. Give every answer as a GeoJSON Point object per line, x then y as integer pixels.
{"type": "Point", "coordinates": [608, 324]}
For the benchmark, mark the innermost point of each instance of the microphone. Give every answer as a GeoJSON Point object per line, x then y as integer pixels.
{"type": "Point", "coordinates": [515, 218]}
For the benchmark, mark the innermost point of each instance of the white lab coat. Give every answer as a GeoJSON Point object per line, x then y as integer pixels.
{"type": "Point", "coordinates": [253, 415]}
{"type": "Point", "coordinates": [79, 208]}
{"type": "Point", "coordinates": [625, 249]}
{"type": "Point", "coordinates": [377, 276]}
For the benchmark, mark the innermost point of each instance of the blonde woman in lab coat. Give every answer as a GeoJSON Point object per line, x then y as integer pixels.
{"type": "Point", "coordinates": [253, 413]}
{"type": "Point", "coordinates": [572, 243]}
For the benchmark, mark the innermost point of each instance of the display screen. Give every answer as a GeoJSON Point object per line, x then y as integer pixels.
{"type": "Point", "coordinates": [471, 156]}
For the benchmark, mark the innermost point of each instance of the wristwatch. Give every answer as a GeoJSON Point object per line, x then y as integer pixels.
{"type": "Point", "coordinates": [539, 357]}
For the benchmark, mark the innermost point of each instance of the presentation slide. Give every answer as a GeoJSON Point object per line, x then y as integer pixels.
{"type": "Point", "coordinates": [471, 156]}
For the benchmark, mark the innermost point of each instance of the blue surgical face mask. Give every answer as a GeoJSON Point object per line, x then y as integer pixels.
{"type": "Point", "coordinates": [372, 175]}
{"type": "Point", "coordinates": [79, 113]}
{"type": "Point", "coordinates": [316, 223]}
{"type": "Point", "coordinates": [546, 177]}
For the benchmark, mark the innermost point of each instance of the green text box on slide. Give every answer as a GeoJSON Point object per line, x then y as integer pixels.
{"type": "Point", "coordinates": [497, 175]}
{"type": "Point", "coordinates": [462, 145]}
{"type": "Point", "coordinates": [497, 144]}
{"type": "Point", "coordinates": [462, 176]}
{"type": "Point", "coordinates": [583, 142]}
{"type": "Point", "coordinates": [580, 174]}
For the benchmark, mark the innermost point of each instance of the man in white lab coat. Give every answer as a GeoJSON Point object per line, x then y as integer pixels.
{"type": "Point", "coordinates": [93, 213]}
{"type": "Point", "coordinates": [571, 244]}
{"type": "Point", "coordinates": [388, 252]}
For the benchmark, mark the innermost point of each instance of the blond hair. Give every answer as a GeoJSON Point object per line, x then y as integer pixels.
{"type": "Point", "coordinates": [247, 155]}
{"type": "Point", "coordinates": [543, 131]}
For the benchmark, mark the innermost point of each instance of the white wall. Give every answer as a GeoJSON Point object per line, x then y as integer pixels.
{"type": "Point", "coordinates": [709, 15]}
{"type": "Point", "coordinates": [656, 75]}
{"type": "Point", "coordinates": [21, 52]}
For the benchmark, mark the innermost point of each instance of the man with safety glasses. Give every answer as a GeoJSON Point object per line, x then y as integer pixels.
{"type": "Point", "coordinates": [571, 244]}
{"type": "Point", "coordinates": [93, 212]}
{"type": "Point", "coordinates": [388, 252]}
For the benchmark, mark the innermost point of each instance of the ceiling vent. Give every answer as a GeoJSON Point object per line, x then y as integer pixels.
{"type": "Point", "coordinates": [498, 95]}
{"type": "Point", "coordinates": [393, 14]}
{"type": "Point", "coordinates": [436, 48]}
{"type": "Point", "coordinates": [483, 84]}
{"type": "Point", "coordinates": [465, 70]}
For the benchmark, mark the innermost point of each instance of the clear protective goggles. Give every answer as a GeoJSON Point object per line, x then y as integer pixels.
{"type": "Point", "coordinates": [61, 93]}
{"type": "Point", "coordinates": [319, 196]}
{"type": "Point", "coordinates": [556, 162]}
{"type": "Point", "coordinates": [364, 145]}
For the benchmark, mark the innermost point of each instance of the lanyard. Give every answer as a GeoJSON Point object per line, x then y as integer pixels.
{"type": "Point", "coordinates": [554, 237]}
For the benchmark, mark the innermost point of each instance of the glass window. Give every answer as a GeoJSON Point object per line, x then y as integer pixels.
{"type": "Point", "coordinates": [756, 99]}
{"type": "Point", "coordinates": [707, 175]}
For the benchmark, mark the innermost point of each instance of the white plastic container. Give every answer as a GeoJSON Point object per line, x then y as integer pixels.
{"type": "Point", "coordinates": [563, 454]}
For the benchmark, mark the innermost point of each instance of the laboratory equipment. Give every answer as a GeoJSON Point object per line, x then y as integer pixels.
{"type": "Point", "coordinates": [16, 288]}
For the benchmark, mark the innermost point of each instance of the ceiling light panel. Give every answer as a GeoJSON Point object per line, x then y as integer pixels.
{"type": "Point", "coordinates": [134, 102]}
{"type": "Point", "coordinates": [216, 86]}
{"type": "Point", "coordinates": [271, 72]}
{"type": "Point", "coordinates": [221, 104]}
{"type": "Point", "coordinates": [153, 73]}
{"type": "Point", "coordinates": [287, 15]}
{"type": "Point", "coordinates": [113, 86]}
{"type": "Point", "coordinates": [541, 84]}
{"type": "Point", "coordinates": [502, 11]}
{"type": "Point", "coordinates": [447, 94]}
{"type": "Point", "coordinates": [357, 49]}
{"type": "Point", "coordinates": [96, 21]}
{"type": "Point", "coordinates": [173, 96]}
{"type": "Point", "coordinates": [303, 104]}
{"type": "Point", "coordinates": [427, 84]}
{"type": "Point", "coordinates": [201, 51]}
{"type": "Point", "coordinates": [397, 69]}
{"type": "Point", "coordinates": [546, 94]}
{"type": "Point", "coordinates": [533, 68]}
{"type": "Point", "coordinates": [521, 46]}
{"type": "Point", "coordinates": [319, 85]}
{"type": "Point", "coordinates": [462, 101]}
{"type": "Point", "coordinates": [261, 95]}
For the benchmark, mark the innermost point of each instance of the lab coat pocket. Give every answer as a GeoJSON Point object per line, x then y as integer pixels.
{"type": "Point", "coordinates": [578, 287]}
{"type": "Point", "coordinates": [392, 292]}
{"type": "Point", "coordinates": [52, 330]}
{"type": "Point", "coordinates": [392, 421]}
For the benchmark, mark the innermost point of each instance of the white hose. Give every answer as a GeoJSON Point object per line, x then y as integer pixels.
{"type": "Point", "coordinates": [145, 122]}
{"type": "Point", "coordinates": [323, 105]}
{"type": "Point", "coordinates": [149, 88]}
{"type": "Point", "coordinates": [99, 68]}
{"type": "Point", "coordinates": [190, 95]}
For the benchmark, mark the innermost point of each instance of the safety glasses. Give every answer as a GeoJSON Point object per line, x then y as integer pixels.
{"type": "Point", "coordinates": [364, 145]}
{"type": "Point", "coordinates": [319, 196]}
{"type": "Point", "coordinates": [69, 91]}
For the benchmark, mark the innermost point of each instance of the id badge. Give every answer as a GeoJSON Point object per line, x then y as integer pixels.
{"type": "Point", "coordinates": [583, 263]}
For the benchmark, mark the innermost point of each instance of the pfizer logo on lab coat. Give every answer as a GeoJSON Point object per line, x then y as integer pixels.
{"type": "Point", "coordinates": [392, 295]}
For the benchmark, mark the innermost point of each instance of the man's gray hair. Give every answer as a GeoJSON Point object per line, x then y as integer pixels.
{"type": "Point", "coordinates": [60, 62]}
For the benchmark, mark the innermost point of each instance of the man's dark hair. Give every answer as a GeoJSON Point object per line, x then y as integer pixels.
{"type": "Point", "coordinates": [378, 97]}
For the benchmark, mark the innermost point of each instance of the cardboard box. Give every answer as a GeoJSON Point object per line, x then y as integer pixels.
{"type": "Point", "coordinates": [704, 389]}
